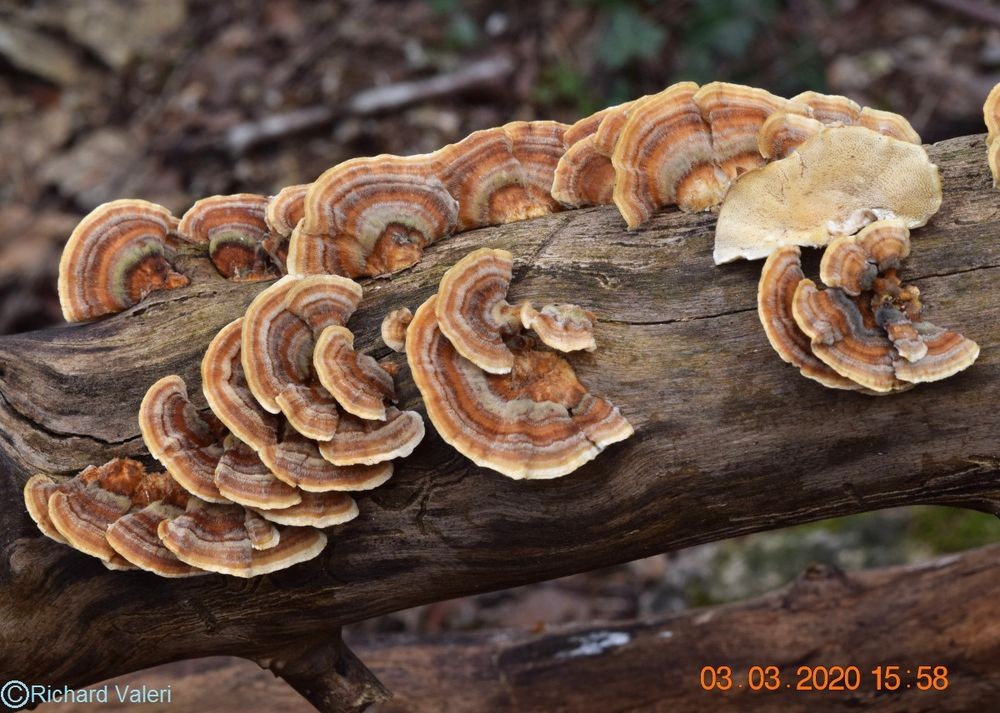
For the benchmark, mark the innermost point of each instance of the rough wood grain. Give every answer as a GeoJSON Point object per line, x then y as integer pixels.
{"type": "Point", "coordinates": [939, 613]}
{"type": "Point", "coordinates": [729, 440]}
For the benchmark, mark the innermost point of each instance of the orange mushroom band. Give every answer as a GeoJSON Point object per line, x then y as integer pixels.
{"type": "Point", "coordinates": [865, 331]}
{"type": "Point", "coordinates": [991, 115]}
{"type": "Point", "coordinates": [534, 421]}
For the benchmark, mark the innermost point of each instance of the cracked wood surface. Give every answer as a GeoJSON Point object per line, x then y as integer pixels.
{"type": "Point", "coordinates": [729, 440]}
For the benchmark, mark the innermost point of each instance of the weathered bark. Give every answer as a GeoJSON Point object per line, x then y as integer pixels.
{"type": "Point", "coordinates": [941, 613]}
{"type": "Point", "coordinates": [729, 440]}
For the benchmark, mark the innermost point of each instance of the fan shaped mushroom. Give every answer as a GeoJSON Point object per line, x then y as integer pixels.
{"type": "Point", "coordinates": [538, 146]}
{"type": "Point", "coordinates": [564, 327]}
{"type": "Point", "coordinates": [286, 208]}
{"type": "Point", "coordinates": [355, 380]}
{"type": "Point", "coordinates": [663, 156]}
{"type": "Point", "coordinates": [230, 540]}
{"type": "Point", "coordinates": [888, 123]}
{"type": "Point", "coordinates": [242, 477]}
{"type": "Point", "coordinates": [297, 460]}
{"type": "Point", "coordinates": [116, 256]}
{"type": "Point", "coordinates": [365, 442]}
{"type": "Point", "coordinates": [489, 183]}
{"type": "Point", "coordinates": [991, 115]}
{"type": "Point", "coordinates": [584, 176]}
{"type": "Point", "coordinates": [589, 125]}
{"type": "Point", "coordinates": [184, 442]}
{"type": "Point", "coordinates": [835, 183]}
{"type": "Point", "coordinates": [830, 108]}
{"type": "Point", "coordinates": [37, 492]}
{"type": "Point", "coordinates": [609, 129]}
{"type": "Point", "coordinates": [277, 347]}
{"type": "Point", "coordinates": [234, 230]}
{"type": "Point", "coordinates": [735, 115]}
{"type": "Point", "coordinates": [394, 328]}
{"type": "Point", "coordinates": [947, 354]}
{"type": "Point", "coordinates": [473, 312]}
{"type": "Point", "coordinates": [224, 384]}
{"type": "Point", "coordinates": [853, 262]}
{"type": "Point", "coordinates": [783, 132]}
{"type": "Point", "coordinates": [780, 277]}
{"type": "Point", "coordinates": [372, 216]}
{"type": "Point", "coordinates": [315, 510]}
{"type": "Point", "coordinates": [536, 422]}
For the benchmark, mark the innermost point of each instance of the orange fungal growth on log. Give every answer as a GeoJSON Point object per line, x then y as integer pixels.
{"type": "Point", "coordinates": [37, 492]}
{"type": "Point", "coordinates": [888, 123]}
{"type": "Point", "coordinates": [610, 128]}
{"type": "Point", "coordinates": [183, 441]}
{"type": "Point", "coordinates": [394, 328]}
{"type": "Point", "coordinates": [991, 115]}
{"type": "Point", "coordinates": [117, 255]}
{"type": "Point", "coordinates": [584, 176]}
{"type": "Point", "coordinates": [366, 442]}
{"type": "Point", "coordinates": [853, 262]}
{"type": "Point", "coordinates": [242, 477]}
{"type": "Point", "coordinates": [473, 312]}
{"type": "Point", "coordinates": [947, 354]}
{"type": "Point", "coordinates": [783, 132]}
{"type": "Point", "coordinates": [231, 540]}
{"type": "Point", "coordinates": [323, 300]}
{"type": "Point", "coordinates": [235, 232]}
{"type": "Point", "coordinates": [297, 461]}
{"type": "Point", "coordinates": [830, 108]}
{"type": "Point", "coordinates": [589, 125]}
{"type": "Point", "coordinates": [286, 208]}
{"type": "Point", "coordinates": [355, 380]}
{"type": "Point", "coordinates": [538, 146]}
{"type": "Point", "coordinates": [315, 510]}
{"type": "Point", "coordinates": [489, 183]}
{"type": "Point", "coordinates": [372, 216]}
{"type": "Point", "coordinates": [224, 384]}
{"type": "Point", "coordinates": [564, 327]}
{"type": "Point", "coordinates": [664, 156]}
{"type": "Point", "coordinates": [779, 279]}
{"type": "Point", "coordinates": [536, 422]}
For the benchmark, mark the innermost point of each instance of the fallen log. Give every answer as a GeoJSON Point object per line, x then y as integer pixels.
{"type": "Point", "coordinates": [729, 440]}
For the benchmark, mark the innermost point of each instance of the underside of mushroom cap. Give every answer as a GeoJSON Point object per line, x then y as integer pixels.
{"type": "Point", "coordinates": [180, 438]}
{"type": "Point", "coordinates": [489, 183]}
{"type": "Point", "coordinates": [224, 384]}
{"type": "Point", "coordinates": [355, 380]}
{"type": "Point", "coordinates": [364, 442]}
{"type": "Point", "coordinates": [220, 538]}
{"type": "Point", "coordinates": [537, 422]}
{"type": "Point", "coordinates": [242, 477]}
{"type": "Point", "coordinates": [835, 183]}
{"type": "Point", "coordinates": [315, 510]}
{"type": "Point", "coordinates": [473, 312]}
{"type": "Point", "coordinates": [563, 327]}
{"type": "Point", "coordinates": [780, 277]}
{"type": "Point", "coordinates": [298, 461]}
{"type": "Point", "coordinates": [235, 231]}
{"type": "Point", "coordinates": [116, 256]}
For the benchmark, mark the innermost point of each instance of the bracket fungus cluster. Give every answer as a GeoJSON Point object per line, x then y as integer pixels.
{"type": "Point", "coordinates": [865, 331]}
{"type": "Point", "coordinates": [490, 391]}
{"type": "Point", "coordinates": [991, 115]}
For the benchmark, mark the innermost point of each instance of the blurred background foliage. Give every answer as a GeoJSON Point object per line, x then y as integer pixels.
{"type": "Point", "coordinates": [170, 100]}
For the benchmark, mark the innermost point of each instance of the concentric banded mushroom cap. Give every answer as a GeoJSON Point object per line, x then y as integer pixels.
{"type": "Point", "coordinates": [177, 436]}
{"type": "Point", "coordinates": [830, 108]}
{"type": "Point", "coordinates": [853, 262]}
{"type": "Point", "coordinates": [286, 208]}
{"type": "Point", "coordinates": [323, 300]}
{"type": "Point", "coordinates": [537, 422]}
{"type": "Point", "coordinates": [564, 327]}
{"type": "Point", "coordinates": [37, 492]}
{"type": "Point", "coordinates": [841, 339]}
{"type": "Point", "coordinates": [886, 241]}
{"type": "Point", "coordinates": [991, 113]}
{"type": "Point", "coordinates": [888, 123]}
{"type": "Point", "coordinates": [234, 229]}
{"type": "Point", "coordinates": [664, 157]}
{"type": "Point", "coordinates": [489, 183]}
{"type": "Point", "coordinates": [473, 312]}
{"type": "Point", "coordinates": [835, 183]}
{"type": "Point", "coordinates": [315, 510]}
{"type": "Point", "coordinates": [538, 146]}
{"type": "Point", "coordinates": [364, 442]}
{"type": "Point", "coordinates": [588, 125]}
{"type": "Point", "coordinates": [298, 461]}
{"type": "Point", "coordinates": [355, 380]}
{"type": "Point", "coordinates": [116, 256]}
{"type": "Point", "coordinates": [782, 273]}
{"type": "Point", "coordinates": [735, 114]}
{"type": "Point", "coordinates": [134, 535]}
{"type": "Point", "coordinates": [947, 354]}
{"type": "Point", "coordinates": [220, 538]}
{"type": "Point", "coordinates": [276, 353]}
{"type": "Point", "coordinates": [394, 327]}
{"type": "Point", "coordinates": [584, 176]}
{"type": "Point", "coordinates": [609, 130]}
{"type": "Point", "coordinates": [382, 212]}
{"type": "Point", "coordinates": [82, 508]}
{"type": "Point", "coordinates": [242, 477]}
{"type": "Point", "coordinates": [783, 132]}
{"type": "Point", "coordinates": [224, 384]}
{"type": "Point", "coordinates": [901, 332]}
